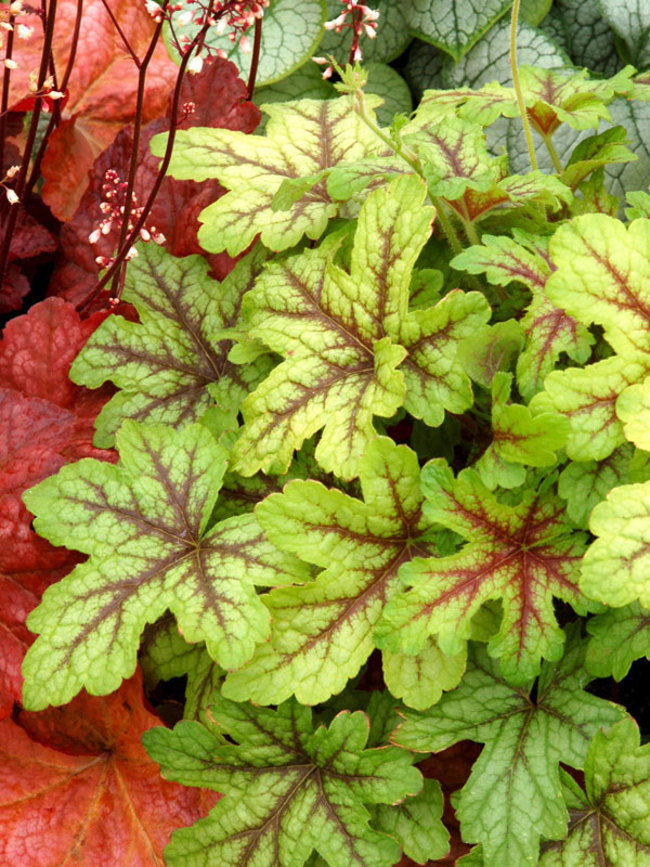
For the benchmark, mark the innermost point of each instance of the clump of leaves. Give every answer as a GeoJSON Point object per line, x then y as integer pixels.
{"type": "Point", "coordinates": [354, 478]}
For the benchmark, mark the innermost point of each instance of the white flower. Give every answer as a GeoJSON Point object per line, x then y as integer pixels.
{"type": "Point", "coordinates": [12, 196]}
{"type": "Point", "coordinates": [10, 64]}
{"type": "Point", "coordinates": [195, 65]}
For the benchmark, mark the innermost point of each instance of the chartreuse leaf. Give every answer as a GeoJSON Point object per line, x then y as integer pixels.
{"type": "Point", "coordinates": [289, 41]}
{"type": "Point", "coordinates": [548, 329]}
{"type": "Point", "coordinates": [167, 366]}
{"type": "Point", "coordinates": [143, 525]}
{"type": "Point", "coordinates": [615, 568]}
{"type": "Point", "coordinates": [601, 277]}
{"type": "Point", "coordinates": [322, 631]}
{"type": "Point", "coordinates": [619, 637]}
{"type": "Point", "coordinates": [302, 139]}
{"type": "Point", "coordinates": [523, 555]}
{"type": "Point", "coordinates": [610, 821]}
{"type": "Point", "coordinates": [289, 789]}
{"type": "Point", "coordinates": [421, 679]}
{"type": "Point", "coordinates": [344, 335]}
{"type": "Point", "coordinates": [453, 27]}
{"type": "Point", "coordinates": [513, 796]}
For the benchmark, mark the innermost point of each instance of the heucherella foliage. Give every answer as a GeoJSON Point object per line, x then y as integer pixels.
{"type": "Point", "coordinates": [145, 526]}
{"type": "Point", "coordinates": [385, 488]}
{"type": "Point", "coordinates": [290, 787]}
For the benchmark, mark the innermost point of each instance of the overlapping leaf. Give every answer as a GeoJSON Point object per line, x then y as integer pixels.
{"type": "Point", "coordinates": [513, 796]}
{"type": "Point", "coordinates": [289, 789]}
{"type": "Point", "coordinates": [615, 568]}
{"type": "Point", "coordinates": [343, 336]}
{"type": "Point", "coordinates": [549, 331]}
{"type": "Point", "coordinates": [303, 139]}
{"type": "Point", "coordinates": [65, 771]}
{"type": "Point", "coordinates": [453, 28]}
{"type": "Point", "coordinates": [609, 822]}
{"type": "Point", "coordinates": [170, 366]}
{"type": "Point", "coordinates": [322, 632]}
{"type": "Point", "coordinates": [524, 555]}
{"type": "Point", "coordinates": [602, 274]}
{"type": "Point", "coordinates": [143, 523]}
{"type": "Point", "coordinates": [619, 637]}
{"type": "Point", "coordinates": [46, 421]}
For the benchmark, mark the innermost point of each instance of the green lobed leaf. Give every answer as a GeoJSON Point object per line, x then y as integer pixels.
{"type": "Point", "coordinates": [453, 27]}
{"type": "Point", "coordinates": [490, 349]}
{"type": "Point", "coordinates": [584, 484]}
{"type": "Point", "coordinates": [615, 568]}
{"type": "Point", "coordinates": [302, 139]}
{"type": "Point", "coordinates": [288, 40]}
{"type": "Point", "coordinates": [619, 637]}
{"type": "Point", "coordinates": [521, 436]}
{"type": "Point", "coordinates": [513, 796]}
{"type": "Point", "coordinates": [322, 631]}
{"type": "Point", "coordinates": [143, 524]}
{"type": "Point", "coordinates": [344, 335]}
{"type": "Point", "coordinates": [289, 788]}
{"type": "Point", "coordinates": [549, 331]}
{"type": "Point", "coordinates": [523, 555]}
{"type": "Point", "coordinates": [601, 277]}
{"type": "Point", "coordinates": [609, 822]}
{"type": "Point", "coordinates": [168, 366]}
{"type": "Point", "coordinates": [420, 680]}
{"type": "Point", "coordinates": [416, 824]}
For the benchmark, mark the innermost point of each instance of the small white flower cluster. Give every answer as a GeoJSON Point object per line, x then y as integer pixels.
{"type": "Point", "coordinates": [364, 20]}
{"type": "Point", "coordinates": [12, 195]}
{"type": "Point", "coordinates": [231, 16]}
{"type": "Point", "coordinates": [7, 18]}
{"type": "Point", "coordinates": [112, 206]}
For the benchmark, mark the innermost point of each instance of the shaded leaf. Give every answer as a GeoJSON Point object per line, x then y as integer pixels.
{"type": "Point", "coordinates": [102, 86]}
{"type": "Point", "coordinates": [296, 789]}
{"type": "Point", "coordinates": [46, 422]}
{"type": "Point", "coordinates": [609, 822]}
{"type": "Point", "coordinates": [513, 796]}
{"type": "Point", "coordinates": [619, 637]}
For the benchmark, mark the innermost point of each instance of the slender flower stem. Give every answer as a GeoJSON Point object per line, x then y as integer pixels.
{"type": "Point", "coordinates": [49, 16]}
{"type": "Point", "coordinates": [125, 41]}
{"type": "Point", "coordinates": [517, 84]}
{"type": "Point", "coordinates": [6, 80]}
{"type": "Point", "coordinates": [56, 116]}
{"type": "Point", "coordinates": [137, 127]}
{"type": "Point", "coordinates": [132, 237]}
{"type": "Point", "coordinates": [255, 59]}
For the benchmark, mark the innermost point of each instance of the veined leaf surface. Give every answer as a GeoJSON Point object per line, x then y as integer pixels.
{"type": "Point", "coordinates": [168, 366]}
{"type": "Point", "coordinates": [513, 796]}
{"type": "Point", "coordinates": [609, 821]}
{"type": "Point", "coordinates": [322, 631]}
{"type": "Point", "coordinates": [524, 555]}
{"type": "Point", "coordinates": [143, 523]}
{"type": "Point", "coordinates": [289, 789]}
{"type": "Point", "coordinates": [303, 139]}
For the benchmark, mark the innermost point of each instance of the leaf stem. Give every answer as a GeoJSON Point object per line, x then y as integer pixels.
{"type": "Point", "coordinates": [550, 147]}
{"type": "Point", "coordinates": [255, 59]}
{"type": "Point", "coordinates": [517, 84]}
